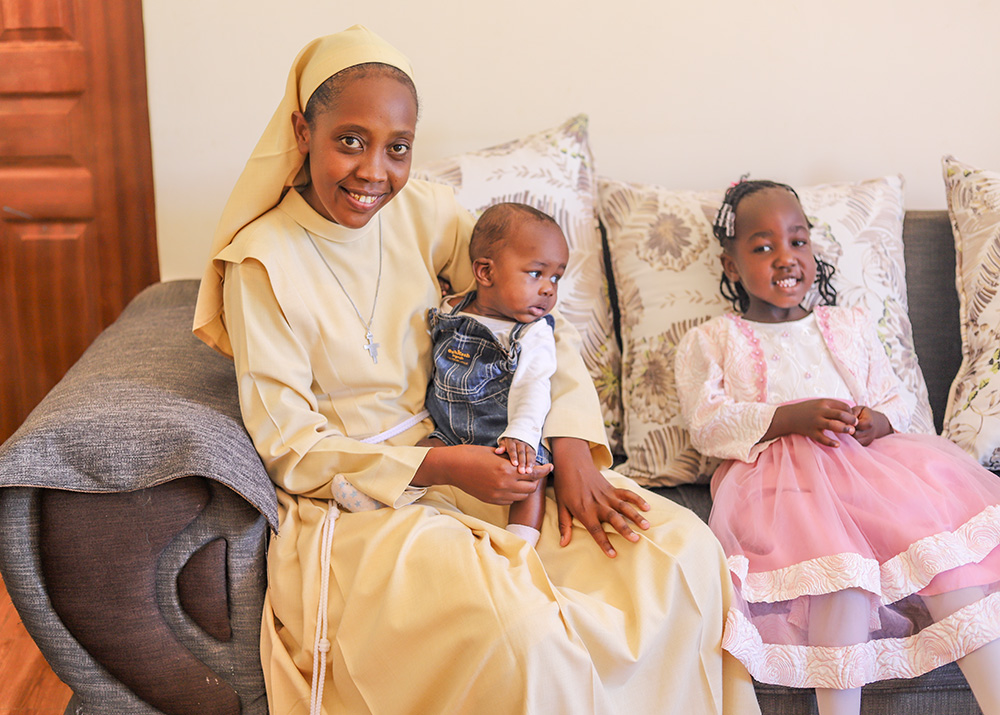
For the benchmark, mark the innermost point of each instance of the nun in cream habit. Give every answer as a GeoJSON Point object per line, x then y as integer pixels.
{"type": "Point", "coordinates": [427, 604]}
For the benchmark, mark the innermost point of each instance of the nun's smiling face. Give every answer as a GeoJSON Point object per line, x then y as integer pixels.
{"type": "Point", "coordinates": [359, 150]}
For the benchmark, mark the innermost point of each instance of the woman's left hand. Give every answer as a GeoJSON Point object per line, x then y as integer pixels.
{"type": "Point", "coordinates": [583, 492]}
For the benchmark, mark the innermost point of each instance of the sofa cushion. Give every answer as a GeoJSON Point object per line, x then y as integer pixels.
{"type": "Point", "coordinates": [972, 417]}
{"type": "Point", "coordinates": [666, 274]}
{"type": "Point", "coordinates": [553, 171]}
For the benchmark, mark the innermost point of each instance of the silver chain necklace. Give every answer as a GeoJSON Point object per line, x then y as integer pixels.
{"type": "Point", "coordinates": [372, 347]}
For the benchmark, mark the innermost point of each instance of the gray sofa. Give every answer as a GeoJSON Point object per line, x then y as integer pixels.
{"type": "Point", "coordinates": [136, 513]}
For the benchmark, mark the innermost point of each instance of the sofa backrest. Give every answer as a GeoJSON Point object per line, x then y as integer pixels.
{"type": "Point", "coordinates": [929, 253]}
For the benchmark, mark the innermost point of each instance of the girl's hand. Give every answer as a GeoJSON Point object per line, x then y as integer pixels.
{"type": "Point", "coordinates": [871, 425]}
{"type": "Point", "coordinates": [479, 472]}
{"type": "Point", "coordinates": [521, 454]}
{"type": "Point", "coordinates": [812, 418]}
{"type": "Point", "coordinates": [583, 492]}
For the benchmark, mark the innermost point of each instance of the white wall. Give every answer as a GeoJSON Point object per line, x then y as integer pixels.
{"type": "Point", "coordinates": [682, 93]}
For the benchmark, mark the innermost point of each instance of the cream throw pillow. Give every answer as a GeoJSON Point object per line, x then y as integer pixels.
{"type": "Point", "coordinates": [666, 269]}
{"type": "Point", "coordinates": [553, 171]}
{"type": "Point", "coordinates": [972, 417]}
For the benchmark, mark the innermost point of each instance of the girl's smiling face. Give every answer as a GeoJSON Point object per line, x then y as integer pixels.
{"type": "Point", "coordinates": [771, 255]}
{"type": "Point", "coordinates": [359, 150]}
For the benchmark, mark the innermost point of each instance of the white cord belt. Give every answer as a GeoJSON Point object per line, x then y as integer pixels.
{"type": "Point", "coordinates": [345, 496]}
{"type": "Point", "coordinates": [398, 429]}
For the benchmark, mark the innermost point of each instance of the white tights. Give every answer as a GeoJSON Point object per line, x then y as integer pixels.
{"type": "Point", "coordinates": [981, 667]}
{"type": "Point", "coordinates": [841, 618]}
{"type": "Point", "coordinates": [838, 619]}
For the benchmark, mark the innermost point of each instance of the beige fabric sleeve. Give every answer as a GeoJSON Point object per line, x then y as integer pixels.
{"type": "Point", "coordinates": [300, 450]}
{"type": "Point", "coordinates": [453, 260]}
{"type": "Point", "coordinates": [576, 409]}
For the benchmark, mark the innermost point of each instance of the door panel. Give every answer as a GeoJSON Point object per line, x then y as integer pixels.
{"type": "Point", "coordinates": [77, 233]}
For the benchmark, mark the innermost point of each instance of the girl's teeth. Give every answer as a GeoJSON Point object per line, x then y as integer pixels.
{"type": "Point", "coordinates": [363, 199]}
{"type": "Point", "coordinates": [787, 282]}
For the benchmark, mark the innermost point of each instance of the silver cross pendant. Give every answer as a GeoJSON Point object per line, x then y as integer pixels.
{"type": "Point", "coordinates": [372, 347]}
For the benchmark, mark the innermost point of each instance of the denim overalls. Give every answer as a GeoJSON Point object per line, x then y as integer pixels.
{"type": "Point", "coordinates": [467, 396]}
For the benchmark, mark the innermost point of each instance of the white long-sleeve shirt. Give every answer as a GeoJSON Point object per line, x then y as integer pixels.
{"type": "Point", "coordinates": [529, 399]}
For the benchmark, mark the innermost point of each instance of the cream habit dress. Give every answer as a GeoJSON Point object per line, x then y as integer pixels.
{"type": "Point", "coordinates": [433, 606]}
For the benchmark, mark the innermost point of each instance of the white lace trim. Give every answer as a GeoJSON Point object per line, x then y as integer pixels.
{"type": "Point", "coordinates": [842, 667]}
{"type": "Point", "coordinates": [897, 578]}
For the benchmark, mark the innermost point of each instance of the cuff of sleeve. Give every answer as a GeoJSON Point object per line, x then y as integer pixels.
{"type": "Point", "coordinates": [526, 436]}
{"type": "Point", "coordinates": [765, 415]}
{"type": "Point", "coordinates": [579, 424]}
{"type": "Point", "coordinates": [390, 482]}
{"type": "Point", "coordinates": [599, 452]}
{"type": "Point", "coordinates": [756, 449]}
{"type": "Point", "coordinates": [409, 495]}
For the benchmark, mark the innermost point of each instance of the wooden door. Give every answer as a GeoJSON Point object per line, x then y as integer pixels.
{"type": "Point", "coordinates": [77, 233]}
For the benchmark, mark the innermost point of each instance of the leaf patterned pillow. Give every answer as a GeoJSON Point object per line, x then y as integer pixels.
{"type": "Point", "coordinates": [666, 269]}
{"type": "Point", "coordinates": [972, 416]}
{"type": "Point", "coordinates": [553, 171]}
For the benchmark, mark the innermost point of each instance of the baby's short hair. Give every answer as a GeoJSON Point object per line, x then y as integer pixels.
{"type": "Point", "coordinates": [492, 227]}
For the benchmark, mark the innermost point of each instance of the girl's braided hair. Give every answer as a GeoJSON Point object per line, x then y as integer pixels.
{"type": "Point", "coordinates": [724, 229]}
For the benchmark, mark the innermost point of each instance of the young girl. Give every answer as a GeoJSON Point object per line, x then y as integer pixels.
{"type": "Point", "coordinates": [859, 552]}
{"type": "Point", "coordinates": [494, 351]}
{"type": "Point", "coordinates": [323, 268]}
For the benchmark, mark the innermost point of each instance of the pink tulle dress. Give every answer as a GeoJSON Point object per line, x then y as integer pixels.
{"type": "Point", "coordinates": [907, 516]}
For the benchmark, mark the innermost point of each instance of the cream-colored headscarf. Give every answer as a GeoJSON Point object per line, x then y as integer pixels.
{"type": "Point", "coordinates": [276, 162]}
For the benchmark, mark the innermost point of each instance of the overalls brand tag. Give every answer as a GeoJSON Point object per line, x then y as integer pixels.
{"type": "Point", "coordinates": [462, 358]}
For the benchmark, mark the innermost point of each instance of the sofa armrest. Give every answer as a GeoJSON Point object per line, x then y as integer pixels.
{"type": "Point", "coordinates": [135, 513]}
{"type": "Point", "coordinates": [146, 403]}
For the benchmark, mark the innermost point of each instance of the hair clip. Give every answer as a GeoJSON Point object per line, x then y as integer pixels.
{"type": "Point", "coordinates": [727, 219]}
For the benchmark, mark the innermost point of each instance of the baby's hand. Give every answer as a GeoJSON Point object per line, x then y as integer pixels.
{"type": "Point", "coordinates": [521, 454]}
{"type": "Point", "coordinates": [871, 424]}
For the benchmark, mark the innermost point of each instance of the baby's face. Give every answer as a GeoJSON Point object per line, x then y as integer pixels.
{"type": "Point", "coordinates": [525, 272]}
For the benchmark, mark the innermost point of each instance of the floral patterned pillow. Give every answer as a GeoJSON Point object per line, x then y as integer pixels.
{"type": "Point", "coordinates": [666, 269]}
{"type": "Point", "coordinates": [553, 171]}
{"type": "Point", "coordinates": [972, 416]}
